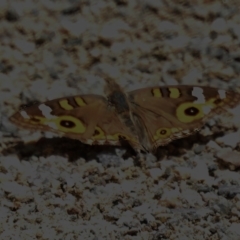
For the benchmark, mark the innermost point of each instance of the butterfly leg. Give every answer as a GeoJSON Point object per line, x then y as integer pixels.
{"type": "Point", "coordinates": [139, 157]}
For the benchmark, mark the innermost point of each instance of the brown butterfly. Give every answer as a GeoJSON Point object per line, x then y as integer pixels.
{"type": "Point", "coordinates": [145, 118]}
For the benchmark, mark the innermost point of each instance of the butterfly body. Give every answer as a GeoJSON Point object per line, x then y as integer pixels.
{"type": "Point", "coordinates": [146, 118]}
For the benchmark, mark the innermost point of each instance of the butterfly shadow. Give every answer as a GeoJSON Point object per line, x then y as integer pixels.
{"type": "Point", "coordinates": [74, 149]}
{"type": "Point", "coordinates": [178, 147]}
{"type": "Point", "coordinates": [66, 147]}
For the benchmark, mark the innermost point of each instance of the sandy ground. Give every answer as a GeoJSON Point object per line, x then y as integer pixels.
{"type": "Point", "coordinates": [60, 189]}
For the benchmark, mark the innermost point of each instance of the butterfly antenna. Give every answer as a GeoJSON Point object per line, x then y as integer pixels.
{"type": "Point", "coordinates": [111, 84]}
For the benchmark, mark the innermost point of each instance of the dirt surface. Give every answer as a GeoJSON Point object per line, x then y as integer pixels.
{"type": "Point", "coordinates": [58, 188]}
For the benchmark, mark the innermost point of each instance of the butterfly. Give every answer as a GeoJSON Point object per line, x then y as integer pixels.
{"type": "Point", "coordinates": [146, 118]}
